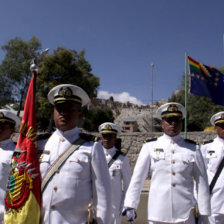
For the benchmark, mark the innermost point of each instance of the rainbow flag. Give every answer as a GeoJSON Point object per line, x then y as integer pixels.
{"type": "Point", "coordinates": [22, 202]}
{"type": "Point", "coordinates": [206, 81]}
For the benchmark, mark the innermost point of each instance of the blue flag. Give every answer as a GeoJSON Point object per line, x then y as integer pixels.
{"type": "Point", "coordinates": [206, 81]}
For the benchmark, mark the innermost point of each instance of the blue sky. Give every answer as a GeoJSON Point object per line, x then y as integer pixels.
{"type": "Point", "coordinates": [122, 38]}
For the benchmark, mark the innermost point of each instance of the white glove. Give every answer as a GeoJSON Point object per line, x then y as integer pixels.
{"type": "Point", "coordinates": [130, 214]}
{"type": "Point", "coordinates": [203, 219]}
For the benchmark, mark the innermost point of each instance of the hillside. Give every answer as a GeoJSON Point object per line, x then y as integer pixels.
{"type": "Point", "coordinates": [143, 115]}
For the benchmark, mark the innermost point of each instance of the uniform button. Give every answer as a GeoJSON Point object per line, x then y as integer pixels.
{"type": "Point", "coordinates": [173, 173]}
{"type": "Point", "coordinates": [173, 142]}
{"type": "Point", "coordinates": [57, 171]}
{"type": "Point", "coordinates": [174, 185]}
{"type": "Point", "coordinates": [53, 207]}
{"type": "Point", "coordinates": [59, 154]}
{"type": "Point", "coordinates": [55, 188]}
{"type": "Point", "coordinates": [173, 151]}
{"type": "Point", "coordinates": [62, 139]}
{"type": "Point", "coordinates": [173, 161]}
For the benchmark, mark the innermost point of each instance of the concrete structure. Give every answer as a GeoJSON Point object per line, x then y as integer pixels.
{"type": "Point", "coordinates": [129, 126]}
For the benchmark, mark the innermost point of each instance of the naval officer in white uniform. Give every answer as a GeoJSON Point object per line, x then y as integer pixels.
{"type": "Point", "coordinates": [9, 122]}
{"type": "Point", "coordinates": [119, 168]}
{"type": "Point", "coordinates": [213, 153]}
{"type": "Point", "coordinates": [173, 163]}
{"type": "Point", "coordinates": [84, 176]}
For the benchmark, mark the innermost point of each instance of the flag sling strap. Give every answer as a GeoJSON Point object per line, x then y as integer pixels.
{"type": "Point", "coordinates": [114, 158]}
{"type": "Point", "coordinates": [59, 162]}
{"type": "Point", "coordinates": [215, 178]}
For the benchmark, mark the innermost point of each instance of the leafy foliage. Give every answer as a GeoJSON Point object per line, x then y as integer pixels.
{"type": "Point", "coordinates": [63, 66]}
{"type": "Point", "coordinates": [95, 117]}
{"type": "Point", "coordinates": [5, 92]}
{"type": "Point", "coordinates": [67, 66]}
{"type": "Point", "coordinates": [15, 68]}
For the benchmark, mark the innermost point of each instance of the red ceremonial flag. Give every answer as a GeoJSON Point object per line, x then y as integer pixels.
{"type": "Point", "coordinates": [23, 191]}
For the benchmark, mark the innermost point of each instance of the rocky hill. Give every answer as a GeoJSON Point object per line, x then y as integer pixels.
{"type": "Point", "coordinates": [143, 114]}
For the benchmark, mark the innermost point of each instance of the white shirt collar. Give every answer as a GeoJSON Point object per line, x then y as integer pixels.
{"type": "Point", "coordinates": [220, 139]}
{"type": "Point", "coordinates": [109, 151]}
{"type": "Point", "coordinates": [67, 133]}
{"type": "Point", "coordinates": [70, 135]}
{"type": "Point", "coordinates": [174, 138]}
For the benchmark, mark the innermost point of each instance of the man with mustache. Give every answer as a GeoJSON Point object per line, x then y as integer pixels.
{"type": "Point", "coordinates": [83, 176]}
{"type": "Point", "coordinates": [174, 164]}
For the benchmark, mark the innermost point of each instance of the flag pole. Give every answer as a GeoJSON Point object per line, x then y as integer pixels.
{"type": "Point", "coordinates": [23, 198]}
{"type": "Point", "coordinates": [186, 94]}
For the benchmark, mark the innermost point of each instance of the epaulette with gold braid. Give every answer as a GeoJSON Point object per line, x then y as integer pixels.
{"type": "Point", "coordinates": [89, 137]}
{"type": "Point", "coordinates": [209, 141]}
{"type": "Point", "coordinates": [190, 141]}
{"type": "Point", "coordinates": [150, 140]}
{"type": "Point", "coordinates": [43, 136]}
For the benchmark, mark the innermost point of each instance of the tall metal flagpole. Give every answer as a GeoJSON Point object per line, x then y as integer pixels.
{"type": "Point", "coordinates": [186, 93]}
{"type": "Point", "coordinates": [34, 68]}
{"type": "Point", "coordinates": [152, 66]}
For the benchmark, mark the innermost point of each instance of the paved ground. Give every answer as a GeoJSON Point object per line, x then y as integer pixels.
{"type": "Point", "coordinates": [142, 208]}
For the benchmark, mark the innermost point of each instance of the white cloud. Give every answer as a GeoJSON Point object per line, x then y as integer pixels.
{"type": "Point", "coordinates": [123, 97]}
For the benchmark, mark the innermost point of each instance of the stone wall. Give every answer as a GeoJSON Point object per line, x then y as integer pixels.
{"type": "Point", "coordinates": [132, 142]}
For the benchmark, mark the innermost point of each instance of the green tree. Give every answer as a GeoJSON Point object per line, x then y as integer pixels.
{"type": "Point", "coordinates": [5, 93]}
{"type": "Point", "coordinates": [96, 116]}
{"type": "Point", "coordinates": [15, 68]}
{"type": "Point", "coordinates": [63, 66]}
{"type": "Point", "coordinates": [67, 66]}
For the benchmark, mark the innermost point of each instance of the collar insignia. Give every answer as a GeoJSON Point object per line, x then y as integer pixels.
{"type": "Point", "coordinates": [1, 115]}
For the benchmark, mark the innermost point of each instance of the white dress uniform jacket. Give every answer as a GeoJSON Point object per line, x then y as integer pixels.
{"type": "Point", "coordinates": [120, 175]}
{"type": "Point", "coordinates": [173, 163]}
{"type": "Point", "coordinates": [213, 153]}
{"type": "Point", "coordinates": [83, 178]}
{"type": "Point", "coordinates": [6, 151]}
